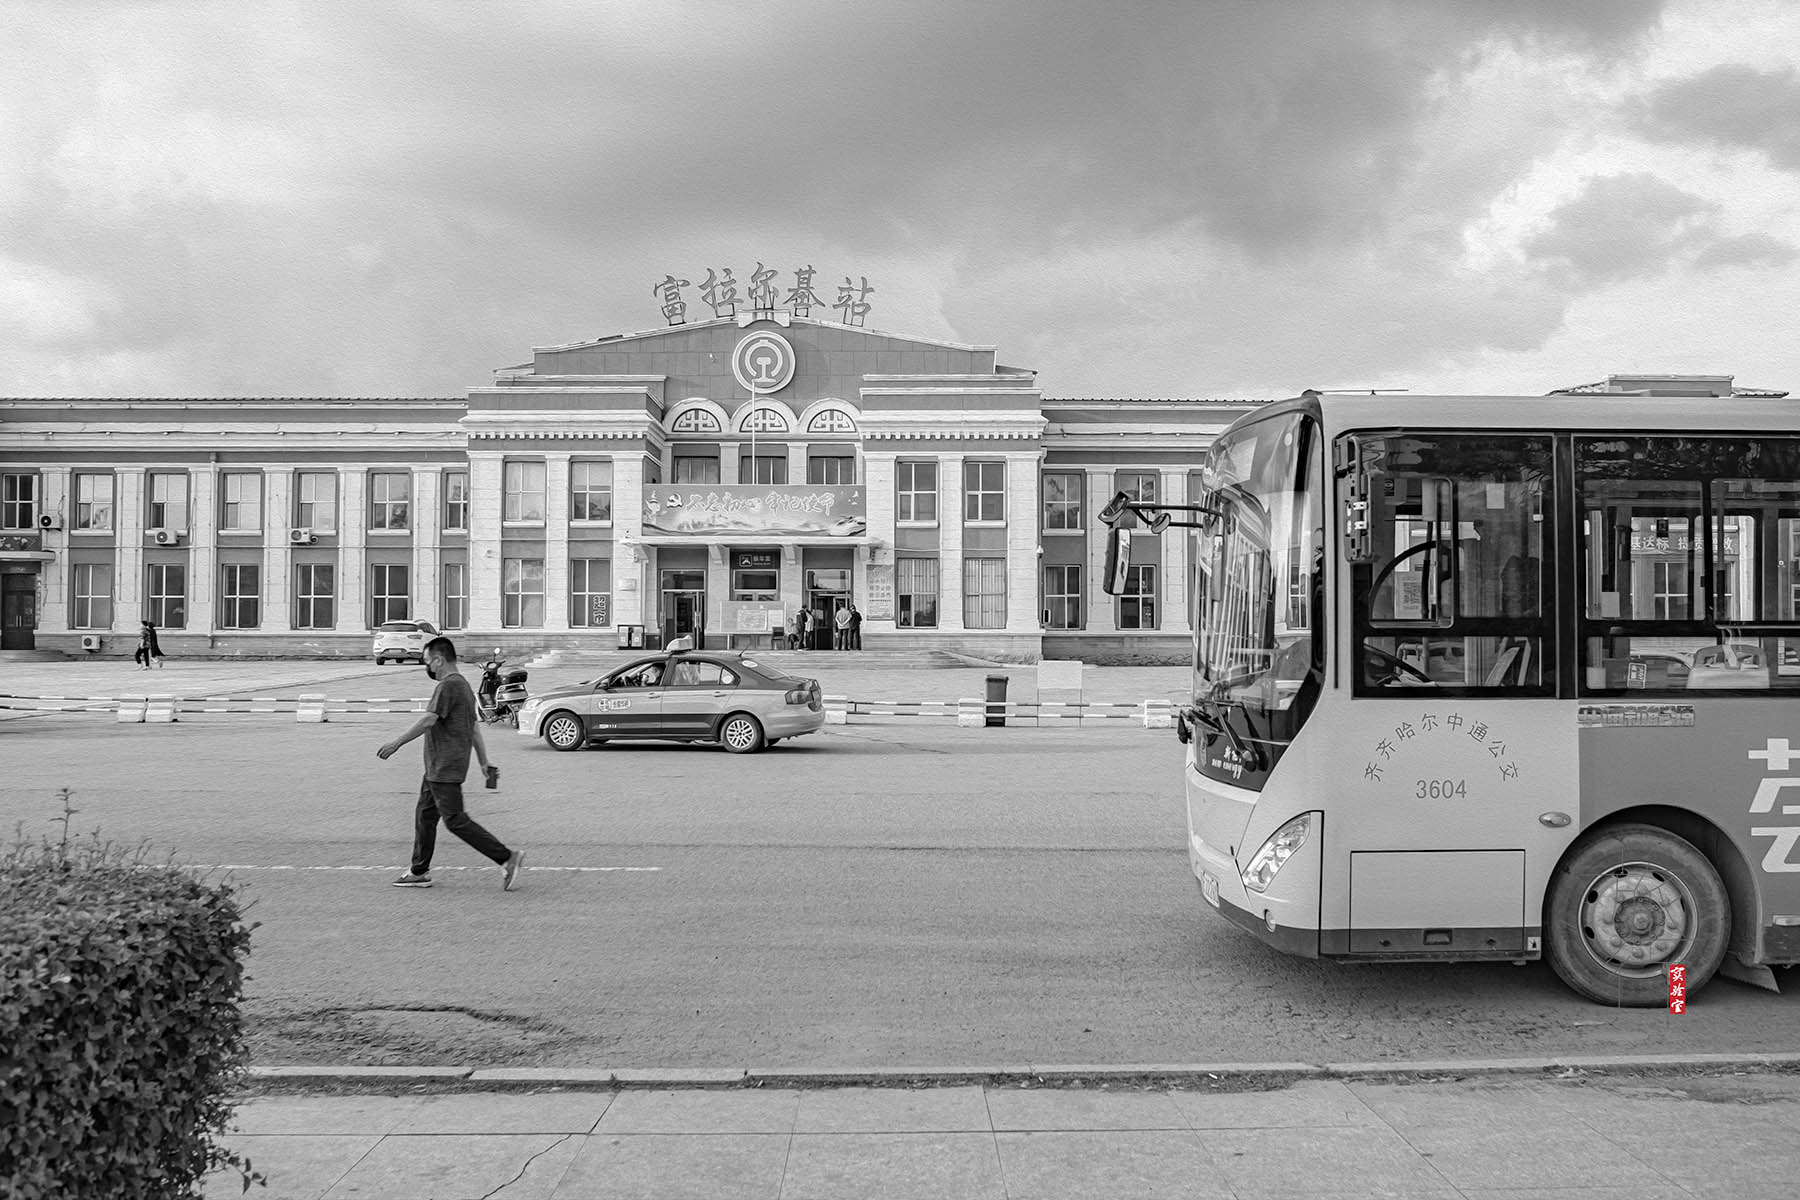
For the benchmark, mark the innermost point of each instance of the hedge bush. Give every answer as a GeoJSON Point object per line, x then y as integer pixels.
{"type": "Point", "coordinates": [120, 1034]}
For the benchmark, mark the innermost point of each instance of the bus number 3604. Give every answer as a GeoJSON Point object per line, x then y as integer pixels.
{"type": "Point", "coordinates": [1442, 789]}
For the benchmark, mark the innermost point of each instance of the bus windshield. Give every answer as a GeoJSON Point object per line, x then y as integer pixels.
{"type": "Point", "coordinates": [1258, 563]}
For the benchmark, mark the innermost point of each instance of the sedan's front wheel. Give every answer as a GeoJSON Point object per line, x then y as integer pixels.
{"type": "Point", "coordinates": [564, 732]}
{"type": "Point", "coordinates": [741, 734]}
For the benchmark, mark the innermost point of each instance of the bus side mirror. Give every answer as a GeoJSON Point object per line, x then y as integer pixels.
{"type": "Point", "coordinates": [1115, 508]}
{"type": "Point", "coordinates": [1114, 578]}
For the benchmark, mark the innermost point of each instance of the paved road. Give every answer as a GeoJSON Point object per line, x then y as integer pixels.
{"type": "Point", "coordinates": [883, 895]}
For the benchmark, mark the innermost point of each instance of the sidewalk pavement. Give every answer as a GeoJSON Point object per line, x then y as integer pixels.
{"type": "Point", "coordinates": [1571, 1135]}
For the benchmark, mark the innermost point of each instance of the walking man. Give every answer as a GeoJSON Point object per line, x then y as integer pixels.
{"type": "Point", "coordinates": [841, 629]}
{"type": "Point", "coordinates": [450, 733]}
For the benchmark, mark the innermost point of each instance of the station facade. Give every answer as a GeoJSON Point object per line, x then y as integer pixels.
{"type": "Point", "coordinates": [710, 479]}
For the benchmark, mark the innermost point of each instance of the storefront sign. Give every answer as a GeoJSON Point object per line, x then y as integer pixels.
{"type": "Point", "coordinates": [750, 510]}
{"type": "Point", "coordinates": [880, 582]}
{"type": "Point", "coordinates": [719, 292]}
{"type": "Point", "coordinates": [597, 609]}
{"type": "Point", "coordinates": [753, 560]}
{"type": "Point", "coordinates": [1677, 543]}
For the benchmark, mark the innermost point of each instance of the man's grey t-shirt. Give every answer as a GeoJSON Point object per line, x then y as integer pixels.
{"type": "Point", "coordinates": [450, 740]}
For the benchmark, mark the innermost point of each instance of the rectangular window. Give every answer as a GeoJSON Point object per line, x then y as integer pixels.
{"type": "Point", "coordinates": [522, 593]}
{"type": "Point", "coordinates": [240, 502]}
{"type": "Point", "coordinates": [456, 595]}
{"type": "Point", "coordinates": [93, 502]}
{"type": "Point", "coordinates": [835, 470]}
{"type": "Point", "coordinates": [390, 597]}
{"type": "Point", "coordinates": [763, 468]}
{"type": "Point", "coordinates": [240, 595]}
{"type": "Point", "coordinates": [165, 595]}
{"type": "Point", "coordinates": [456, 500]}
{"type": "Point", "coordinates": [916, 495]}
{"type": "Point", "coordinates": [695, 468]}
{"type": "Point", "coordinates": [590, 592]}
{"type": "Point", "coordinates": [315, 596]}
{"type": "Point", "coordinates": [92, 596]}
{"type": "Point", "coordinates": [168, 503]}
{"type": "Point", "coordinates": [390, 499]}
{"type": "Point", "coordinates": [1137, 603]}
{"type": "Point", "coordinates": [984, 593]}
{"type": "Point", "coordinates": [523, 487]}
{"type": "Point", "coordinates": [1062, 597]}
{"type": "Point", "coordinates": [916, 593]}
{"type": "Point", "coordinates": [984, 491]}
{"type": "Point", "coordinates": [1062, 501]}
{"type": "Point", "coordinates": [1139, 486]}
{"type": "Point", "coordinates": [315, 503]}
{"type": "Point", "coordinates": [590, 491]}
{"type": "Point", "coordinates": [755, 575]}
{"type": "Point", "coordinates": [18, 501]}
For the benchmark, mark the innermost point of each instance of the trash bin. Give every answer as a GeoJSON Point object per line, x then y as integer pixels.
{"type": "Point", "coordinates": [996, 700]}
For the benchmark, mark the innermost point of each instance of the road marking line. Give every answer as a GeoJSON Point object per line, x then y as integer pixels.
{"type": "Point", "coordinates": [394, 867]}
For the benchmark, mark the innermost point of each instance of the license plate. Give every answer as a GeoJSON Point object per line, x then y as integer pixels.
{"type": "Point", "coordinates": [1209, 889]}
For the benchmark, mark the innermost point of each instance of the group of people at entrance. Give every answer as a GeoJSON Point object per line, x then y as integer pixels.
{"type": "Point", "coordinates": [845, 628]}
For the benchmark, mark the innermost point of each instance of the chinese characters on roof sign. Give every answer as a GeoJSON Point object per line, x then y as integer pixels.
{"type": "Point", "coordinates": [719, 292]}
{"type": "Point", "coordinates": [724, 510]}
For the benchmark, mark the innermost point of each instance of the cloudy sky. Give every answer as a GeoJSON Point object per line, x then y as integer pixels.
{"type": "Point", "coordinates": [1197, 198]}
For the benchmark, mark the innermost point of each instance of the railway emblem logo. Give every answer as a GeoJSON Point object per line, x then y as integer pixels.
{"type": "Point", "coordinates": [763, 363]}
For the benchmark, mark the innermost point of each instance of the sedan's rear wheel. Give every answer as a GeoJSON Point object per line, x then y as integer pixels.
{"type": "Point", "coordinates": [564, 732]}
{"type": "Point", "coordinates": [741, 734]}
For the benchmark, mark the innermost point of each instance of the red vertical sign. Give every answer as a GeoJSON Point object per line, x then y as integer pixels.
{"type": "Point", "coordinates": [1677, 988]}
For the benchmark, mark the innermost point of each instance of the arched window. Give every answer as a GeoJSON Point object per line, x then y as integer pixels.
{"type": "Point", "coordinates": [764, 420]}
{"type": "Point", "coordinates": [695, 420]}
{"type": "Point", "coordinates": [831, 420]}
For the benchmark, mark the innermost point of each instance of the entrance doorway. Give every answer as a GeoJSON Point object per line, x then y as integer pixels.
{"type": "Point", "coordinates": [18, 611]}
{"type": "Point", "coordinates": [683, 608]}
{"type": "Point", "coordinates": [827, 591]}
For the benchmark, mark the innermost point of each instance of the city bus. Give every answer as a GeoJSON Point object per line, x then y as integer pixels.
{"type": "Point", "coordinates": [1498, 678]}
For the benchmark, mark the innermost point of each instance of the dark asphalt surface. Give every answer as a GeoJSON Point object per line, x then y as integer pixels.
{"type": "Point", "coordinates": [892, 895]}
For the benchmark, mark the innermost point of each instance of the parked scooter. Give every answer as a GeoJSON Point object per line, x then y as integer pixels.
{"type": "Point", "coordinates": [500, 697]}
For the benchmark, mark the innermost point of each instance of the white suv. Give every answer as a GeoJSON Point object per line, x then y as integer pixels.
{"type": "Point", "coordinates": [402, 640]}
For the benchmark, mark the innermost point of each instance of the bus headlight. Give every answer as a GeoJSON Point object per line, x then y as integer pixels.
{"type": "Point", "coordinates": [1281, 846]}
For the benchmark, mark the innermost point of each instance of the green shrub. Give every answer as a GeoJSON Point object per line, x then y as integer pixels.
{"type": "Point", "coordinates": [120, 1034]}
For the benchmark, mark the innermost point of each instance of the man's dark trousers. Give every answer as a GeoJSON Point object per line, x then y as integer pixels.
{"type": "Point", "coordinates": [437, 799]}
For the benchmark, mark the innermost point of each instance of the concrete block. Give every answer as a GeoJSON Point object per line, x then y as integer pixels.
{"type": "Point", "coordinates": [1158, 714]}
{"type": "Point", "coordinates": [971, 712]}
{"type": "Point", "coordinates": [311, 709]}
{"type": "Point", "coordinates": [161, 710]}
{"type": "Point", "coordinates": [131, 710]}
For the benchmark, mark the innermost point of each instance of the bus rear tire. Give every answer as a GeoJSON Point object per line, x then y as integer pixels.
{"type": "Point", "coordinates": [1629, 901]}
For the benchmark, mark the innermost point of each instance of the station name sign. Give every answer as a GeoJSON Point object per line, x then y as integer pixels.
{"type": "Point", "coordinates": [752, 510]}
{"type": "Point", "coordinates": [719, 291]}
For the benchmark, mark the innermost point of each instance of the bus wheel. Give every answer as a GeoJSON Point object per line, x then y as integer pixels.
{"type": "Point", "coordinates": [1630, 901]}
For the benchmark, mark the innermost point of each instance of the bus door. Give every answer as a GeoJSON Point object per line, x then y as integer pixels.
{"type": "Point", "coordinates": [1454, 744]}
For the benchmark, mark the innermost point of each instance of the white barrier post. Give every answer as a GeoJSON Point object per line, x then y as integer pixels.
{"type": "Point", "coordinates": [971, 713]}
{"type": "Point", "coordinates": [161, 710]}
{"type": "Point", "coordinates": [837, 710]}
{"type": "Point", "coordinates": [312, 709]}
{"type": "Point", "coordinates": [131, 710]}
{"type": "Point", "coordinates": [1158, 714]}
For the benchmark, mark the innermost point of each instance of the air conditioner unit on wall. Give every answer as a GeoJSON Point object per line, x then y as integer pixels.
{"type": "Point", "coordinates": [90, 642]}
{"type": "Point", "coordinates": [168, 537]}
{"type": "Point", "coordinates": [302, 537]}
{"type": "Point", "coordinates": [49, 522]}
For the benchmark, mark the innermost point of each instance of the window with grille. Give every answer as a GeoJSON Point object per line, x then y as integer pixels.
{"type": "Point", "coordinates": [984, 593]}
{"type": "Point", "coordinates": [18, 501]}
{"type": "Point", "coordinates": [764, 468]}
{"type": "Point", "coordinates": [240, 595]}
{"type": "Point", "coordinates": [915, 492]}
{"type": "Point", "coordinates": [1137, 603]}
{"type": "Point", "coordinates": [390, 597]}
{"type": "Point", "coordinates": [695, 420]}
{"type": "Point", "coordinates": [315, 596]}
{"type": "Point", "coordinates": [590, 491]}
{"type": "Point", "coordinates": [523, 487]}
{"type": "Point", "coordinates": [240, 502]}
{"type": "Point", "coordinates": [456, 595]}
{"type": "Point", "coordinates": [916, 593]}
{"type": "Point", "coordinates": [590, 592]}
{"type": "Point", "coordinates": [315, 500]}
{"type": "Point", "coordinates": [456, 499]}
{"type": "Point", "coordinates": [390, 499]}
{"type": "Point", "coordinates": [696, 468]}
{"type": "Point", "coordinates": [833, 470]}
{"type": "Point", "coordinates": [1062, 501]}
{"type": "Point", "coordinates": [831, 420]}
{"type": "Point", "coordinates": [522, 593]}
{"type": "Point", "coordinates": [93, 502]}
{"type": "Point", "coordinates": [91, 590]}
{"type": "Point", "coordinates": [984, 491]}
{"type": "Point", "coordinates": [168, 504]}
{"type": "Point", "coordinates": [1062, 597]}
{"type": "Point", "coordinates": [165, 595]}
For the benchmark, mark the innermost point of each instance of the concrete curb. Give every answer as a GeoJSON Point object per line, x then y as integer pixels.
{"type": "Point", "coordinates": [1274, 1073]}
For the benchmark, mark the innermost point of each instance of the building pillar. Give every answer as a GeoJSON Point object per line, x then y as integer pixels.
{"type": "Point", "coordinates": [1023, 543]}
{"type": "Point", "coordinates": [950, 543]}
{"type": "Point", "coordinates": [1173, 618]}
{"type": "Point", "coordinates": [203, 563]}
{"type": "Point", "coordinates": [128, 563]}
{"type": "Point", "coordinates": [629, 552]}
{"type": "Point", "coordinates": [556, 541]}
{"type": "Point", "coordinates": [728, 462]}
{"type": "Point", "coordinates": [486, 506]}
{"type": "Point", "coordinates": [353, 540]}
{"type": "Point", "coordinates": [877, 472]}
{"type": "Point", "coordinates": [278, 553]}
{"type": "Point", "coordinates": [1102, 611]}
{"type": "Point", "coordinates": [427, 517]}
{"type": "Point", "coordinates": [53, 577]}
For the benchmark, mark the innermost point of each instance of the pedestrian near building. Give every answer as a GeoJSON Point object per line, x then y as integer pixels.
{"type": "Point", "coordinates": [841, 627]}
{"type": "Point", "coordinates": [149, 652]}
{"type": "Point", "coordinates": [802, 623]}
{"type": "Point", "coordinates": [855, 627]}
{"type": "Point", "coordinates": [450, 733]}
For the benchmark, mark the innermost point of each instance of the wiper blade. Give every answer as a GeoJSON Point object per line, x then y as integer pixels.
{"type": "Point", "coordinates": [1211, 713]}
